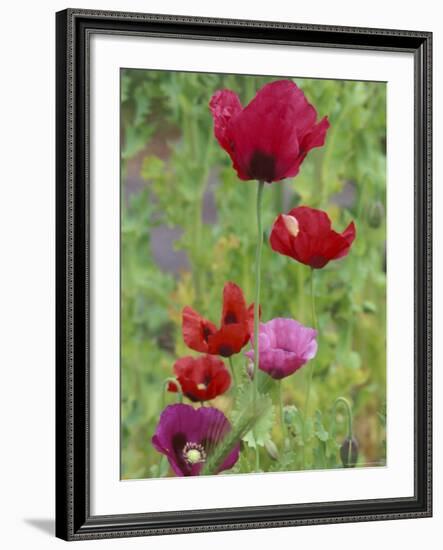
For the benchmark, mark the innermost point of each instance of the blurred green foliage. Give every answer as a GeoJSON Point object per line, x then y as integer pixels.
{"type": "Point", "coordinates": [168, 143]}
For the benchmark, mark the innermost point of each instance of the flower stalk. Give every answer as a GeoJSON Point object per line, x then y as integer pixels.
{"type": "Point", "coordinates": [282, 418]}
{"type": "Point", "coordinates": [258, 253]}
{"type": "Point", "coordinates": [347, 407]}
{"type": "Point", "coordinates": [349, 450]}
{"type": "Point", "coordinates": [311, 367]}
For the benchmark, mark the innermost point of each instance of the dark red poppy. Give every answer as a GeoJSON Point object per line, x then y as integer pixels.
{"type": "Point", "coordinates": [235, 327]}
{"type": "Point", "coordinates": [201, 378]}
{"type": "Point", "coordinates": [268, 139]}
{"type": "Point", "coordinates": [305, 234]}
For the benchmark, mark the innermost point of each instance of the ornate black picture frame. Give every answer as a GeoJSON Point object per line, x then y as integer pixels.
{"type": "Point", "coordinates": [73, 518]}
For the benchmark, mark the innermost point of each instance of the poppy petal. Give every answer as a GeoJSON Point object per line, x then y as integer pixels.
{"type": "Point", "coordinates": [234, 305]}
{"type": "Point", "coordinates": [264, 134]}
{"type": "Point", "coordinates": [229, 340]}
{"type": "Point", "coordinates": [196, 330]}
{"type": "Point", "coordinates": [314, 243]}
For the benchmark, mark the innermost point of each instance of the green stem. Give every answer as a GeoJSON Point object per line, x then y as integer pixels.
{"type": "Point", "coordinates": [282, 418]}
{"type": "Point", "coordinates": [311, 366]}
{"type": "Point", "coordinates": [257, 303]}
{"type": "Point", "coordinates": [234, 376]}
{"type": "Point", "coordinates": [348, 409]}
{"type": "Point", "coordinates": [257, 286]}
{"type": "Point", "coordinates": [314, 316]}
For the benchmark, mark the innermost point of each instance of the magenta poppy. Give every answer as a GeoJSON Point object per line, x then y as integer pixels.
{"type": "Point", "coordinates": [236, 325]}
{"type": "Point", "coordinates": [285, 346]}
{"type": "Point", "coordinates": [201, 378]}
{"type": "Point", "coordinates": [305, 234]}
{"type": "Point", "coordinates": [188, 436]}
{"type": "Point", "coordinates": [268, 139]}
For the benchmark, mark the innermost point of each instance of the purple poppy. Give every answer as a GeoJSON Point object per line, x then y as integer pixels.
{"type": "Point", "coordinates": [187, 436]}
{"type": "Point", "coordinates": [285, 346]}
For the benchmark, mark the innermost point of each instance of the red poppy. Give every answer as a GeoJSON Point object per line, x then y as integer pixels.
{"type": "Point", "coordinates": [268, 139]}
{"type": "Point", "coordinates": [235, 327]}
{"type": "Point", "coordinates": [201, 378]}
{"type": "Point", "coordinates": [305, 234]}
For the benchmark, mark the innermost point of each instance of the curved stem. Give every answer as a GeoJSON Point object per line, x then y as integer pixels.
{"type": "Point", "coordinates": [348, 409]}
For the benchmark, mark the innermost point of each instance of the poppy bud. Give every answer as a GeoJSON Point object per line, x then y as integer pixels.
{"type": "Point", "coordinates": [349, 452]}
{"type": "Point", "coordinates": [250, 369]}
{"type": "Point", "coordinates": [369, 307]}
{"type": "Point", "coordinates": [272, 449]}
{"type": "Point", "coordinates": [376, 213]}
{"type": "Point", "coordinates": [289, 414]}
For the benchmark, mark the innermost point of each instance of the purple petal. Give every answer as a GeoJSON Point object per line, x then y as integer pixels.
{"type": "Point", "coordinates": [285, 346]}
{"type": "Point", "coordinates": [181, 424]}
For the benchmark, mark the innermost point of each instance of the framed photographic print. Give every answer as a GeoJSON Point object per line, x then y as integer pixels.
{"type": "Point", "coordinates": [243, 274]}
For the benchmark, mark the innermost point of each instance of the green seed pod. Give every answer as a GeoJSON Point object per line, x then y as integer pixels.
{"type": "Point", "coordinates": [289, 414]}
{"type": "Point", "coordinates": [272, 450]}
{"type": "Point", "coordinates": [369, 307]}
{"type": "Point", "coordinates": [375, 214]}
{"type": "Point", "coordinates": [349, 452]}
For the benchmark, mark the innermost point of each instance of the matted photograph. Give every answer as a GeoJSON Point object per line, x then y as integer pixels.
{"type": "Point", "coordinates": [253, 274]}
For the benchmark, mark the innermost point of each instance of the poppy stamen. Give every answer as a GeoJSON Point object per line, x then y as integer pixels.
{"type": "Point", "coordinates": [194, 453]}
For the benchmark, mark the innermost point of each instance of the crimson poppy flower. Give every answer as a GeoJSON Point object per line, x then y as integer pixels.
{"type": "Point", "coordinates": [188, 436]}
{"type": "Point", "coordinates": [201, 378]}
{"type": "Point", "coordinates": [285, 345]}
{"type": "Point", "coordinates": [268, 139]}
{"type": "Point", "coordinates": [235, 327]}
{"type": "Point", "coordinates": [305, 234]}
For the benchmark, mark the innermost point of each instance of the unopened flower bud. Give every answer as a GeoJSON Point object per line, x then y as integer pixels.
{"type": "Point", "coordinates": [289, 414]}
{"type": "Point", "coordinates": [272, 449]}
{"type": "Point", "coordinates": [376, 213]}
{"type": "Point", "coordinates": [349, 452]}
{"type": "Point", "coordinates": [369, 307]}
{"type": "Point", "coordinates": [250, 370]}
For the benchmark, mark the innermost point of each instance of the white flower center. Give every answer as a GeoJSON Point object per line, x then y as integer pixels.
{"type": "Point", "coordinates": [291, 224]}
{"type": "Point", "coordinates": [194, 453]}
{"type": "Point", "coordinates": [201, 386]}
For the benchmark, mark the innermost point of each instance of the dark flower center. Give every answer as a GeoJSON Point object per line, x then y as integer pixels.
{"type": "Point", "coordinates": [206, 332]}
{"type": "Point", "coordinates": [230, 318]}
{"type": "Point", "coordinates": [178, 444]}
{"type": "Point", "coordinates": [262, 166]}
{"type": "Point", "coordinates": [225, 350]}
{"type": "Point", "coordinates": [317, 261]}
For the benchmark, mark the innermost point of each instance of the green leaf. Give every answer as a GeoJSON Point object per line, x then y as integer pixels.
{"type": "Point", "coordinates": [152, 168]}
{"type": "Point", "coordinates": [262, 428]}
{"type": "Point", "coordinates": [319, 429]}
